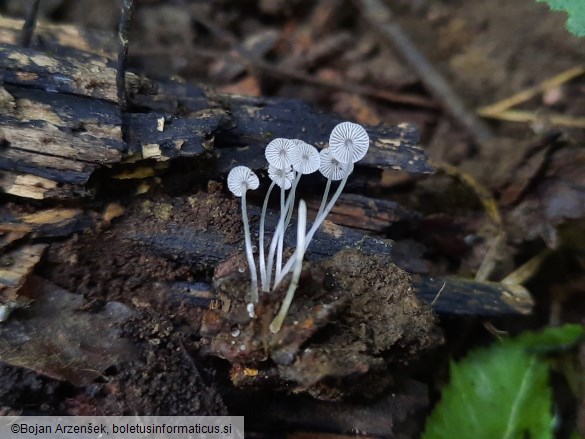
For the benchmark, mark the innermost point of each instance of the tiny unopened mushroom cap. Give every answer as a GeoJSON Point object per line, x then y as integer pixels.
{"type": "Point", "coordinates": [349, 142]}
{"type": "Point", "coordinates": [305, 157]}
{"type": "Point", "coordinates": [277, 174]}
{"type": "Point", "coordinates": [240, 179]}
{"type": "Point", "coordinates": [278, 152]}
{"type": "Point", "coordinates": [331, 167]}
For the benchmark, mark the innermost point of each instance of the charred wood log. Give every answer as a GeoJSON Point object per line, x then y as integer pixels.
{"type": "Point", "coordinates": [203, 248]}
{"type": "Point", "coordinates": [61, 120]}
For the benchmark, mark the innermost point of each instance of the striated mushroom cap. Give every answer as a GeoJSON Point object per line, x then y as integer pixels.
{"type": "Point", "coordinates": [240, 179]}
{"type": "Point", "coordinates": [278, 152]}
{"type": "Point", "coordinates": [349, 142]}
{"type": "Point", "coordinates": [304, 157]}
{"type": "Point", "coordinates": [277, 174]}
{"type": "Point", "coordinates": [332, 168]}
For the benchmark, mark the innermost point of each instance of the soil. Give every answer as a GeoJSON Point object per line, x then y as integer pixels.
{"type": "Point", "coordinates": [352, 316]}
{"type": "Point", "coordinates": [104, 265]}
{"type": "Point", "coordinates": [22, 388]}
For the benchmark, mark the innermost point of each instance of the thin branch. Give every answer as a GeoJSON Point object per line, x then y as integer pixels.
{"type": "Point", "coordinates": [254, 63]}
{"type": "Point", "coordinates": [29, 24]}
{"type": "Point", "coordinates": [123, 28]}
{"type": "Point", "coordinates": [536, 117]}
{"type": "Point", "coordinates": [381, 17]}
{"type": "Point", "coordinates": [495, 110]}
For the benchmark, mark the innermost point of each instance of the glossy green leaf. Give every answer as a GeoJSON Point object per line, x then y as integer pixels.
{"type": "Point", "coordinates": [576, 11]}
{"type": "Point", "coordinates": [501, 391]}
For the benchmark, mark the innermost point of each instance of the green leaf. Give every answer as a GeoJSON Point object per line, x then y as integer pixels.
{"type": "Point", "coordinates": [576, 11]}
{"type": "Point", "coordinates": [551, 339]}
{"type": "Point", "coordinates": [501, 391]}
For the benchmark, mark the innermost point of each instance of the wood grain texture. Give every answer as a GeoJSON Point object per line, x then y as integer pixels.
{"type": "Point", "coordinates": [61, 120]}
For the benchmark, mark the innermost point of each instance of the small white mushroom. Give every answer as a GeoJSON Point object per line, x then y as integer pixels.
{"type": "Point", "coordinates": [278, 153]}
{"type": "Point", "coordinates": [250, 309]}
{"type": "Point", "coordinates": [288, 161]}
{"type": "Point", "coordinates": [282, 177]}
{"type": "Point", "coordinates": [331, 168]}
{"type": "Point", "coordinates": [304, 157]}
{"type": "Point", "coordinates": [305, 160]}
{"type": "Point", "coordinates": [349, 142]}
{"type": "Point", "coordinates": [239, 181]}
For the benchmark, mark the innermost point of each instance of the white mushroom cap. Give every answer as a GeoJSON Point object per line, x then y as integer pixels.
{"type": "Point", "coordinates": [276, 175]}
{"type": "Point", "coordinates": [278, 152]}
{"type": "Point", "coordinates": [331, 167]}
{"type": "Point", "coordinates": [304, 158]}
{"type": "Point", "coordinates": [240, 179]}
{"type": "Point", "coordinates": [349, 142]}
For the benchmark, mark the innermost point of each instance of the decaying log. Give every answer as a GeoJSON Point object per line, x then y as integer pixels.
{"type": "Point", "coordinates": [25, 185]}
{"type": "Point", "coordinates": [204, 248]}
{"type": "Point", "coordinates": [61, 120]}
{"type": "Point", "coordinates": [366, 213]}
{"type": "Point", "coordinates": [15, 267]}
{"type": "Point", "coordinates": [47, 223]}
{"type": "Point", "coordinates": [454, 295]}
{"type": "Point", "coordinates": [59, 137]}
{"type": "Point", "coordinates": [445, 295]}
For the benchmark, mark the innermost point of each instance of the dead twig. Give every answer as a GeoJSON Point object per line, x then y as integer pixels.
{"type": "Point", "coordinates": [491, 208]}
{"type": "Point", "coordinates": [527, 270]}
{"type": "Point", "coordinates": [255, 64]}
{"type": "Point", "coordinates": [381, 17]}
{"type": "Point", "coordinates": [29, 24]}
{"type": "Point", "coordinates": [483, 194]}
{"type": "Point", "coordinates": [438, 295]}
{"type": "Point", "coordinates": [536, 117]}
{"type": "Point", "coordinates": [123, 28]}
{"type": "Point", "coordinates": [398, 98]}
{"type": "Point", "coordinates": [502, 110]}
{"type": "Point", "coordinates": [502, 106]}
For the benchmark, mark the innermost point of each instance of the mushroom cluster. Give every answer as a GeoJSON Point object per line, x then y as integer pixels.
{"type": "Point", "coordinates": [288, 160]}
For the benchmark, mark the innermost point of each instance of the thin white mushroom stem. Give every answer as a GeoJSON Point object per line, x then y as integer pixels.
{"type": "Point", "coordinates": [304, 160]}
{"type": "Point", "coordinates": [249, 254]}
{"type": "Point", "coordinates": [274, 242]}
{"type": "Point", "coordinates": [239, 181]}
{"type": "Point", "coordinates": [282, 199]}
{"type": "Point", "coordinates": [292, 194]}
{"type": "Point", "coordinates": [324, 200]}
{"type": "Point", "coordinates": [318, 221]}
{"type": "Point", "coordinates": [285, 216]}
{"type": "Point", "coordinates": [331, 169]}
{"type": "Point", "coordinates": [262, 260]}
{"type": "Point", "coordinates": [282, 177]}
{"type": "Point", "coordinates": [301, 229]}
{"type": "Point", "coordinates": [281, 240]}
